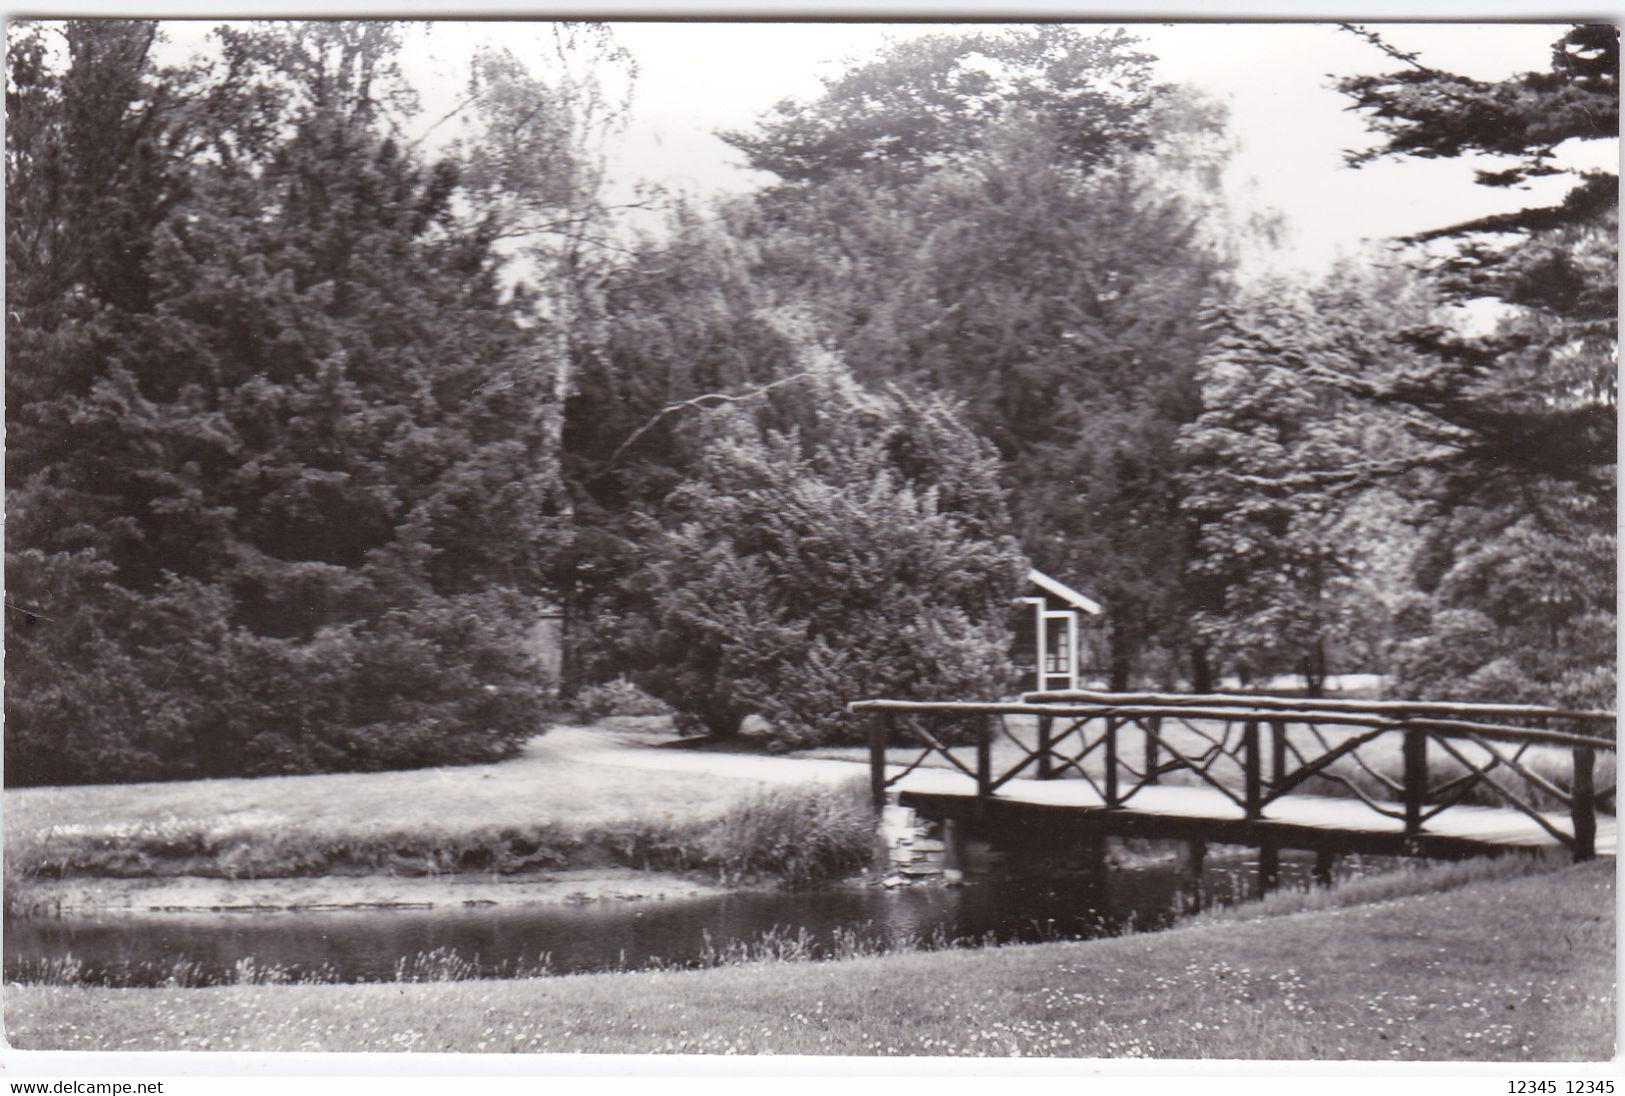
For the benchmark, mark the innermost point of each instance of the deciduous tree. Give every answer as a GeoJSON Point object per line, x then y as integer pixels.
{"type": "Point", "coordinates": [975, 231]}
{"type": "Point", "coordinates": [1290, 484]}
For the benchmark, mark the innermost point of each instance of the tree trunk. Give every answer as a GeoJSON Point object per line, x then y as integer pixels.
{"type": "Point", "coordinates": [569, 657]}
{"type": "Point", "coordinates": [1314, 669]}
{"type": "Point", "coordinates": [1201, 669]}
{"type": "Point", "coordinates": [1122, 657]}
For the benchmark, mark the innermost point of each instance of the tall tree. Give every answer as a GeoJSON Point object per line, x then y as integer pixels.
{"type": "Point", "coordinates": [1537, 396]}
{"type": "Point", "coordinates": [1521, 422]}
{"type": "Point", "coordinates": [301, 484]}
{"type": "Point", "coordinates": [532, 151]}
{"type": "Point", "coordinates": [1296, 536]}
{"type": "Point", "coordinates": [93, 134]}
{"type": "Point", "coordinates": [693, 327]}
{"type": "Point", "coordinates": [927, 100]}
{"type": "Point", "coordinates": [977, 230]}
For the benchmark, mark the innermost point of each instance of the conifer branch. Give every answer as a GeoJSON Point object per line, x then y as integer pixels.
{"type": "Point", "coordinates": [1403, 57]}
{"type": "Point", "coordinates": [700, 402]}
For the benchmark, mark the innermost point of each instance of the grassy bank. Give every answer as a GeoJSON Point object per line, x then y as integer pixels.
{"type": "Point", "coordinates": [1408, 878]}
{"type": "Point", "coordinates": [1518, 968]}
{"type": "Point", "coordinates": [575, 799]}
{"type": "Point", "coordinates": [793, 836]}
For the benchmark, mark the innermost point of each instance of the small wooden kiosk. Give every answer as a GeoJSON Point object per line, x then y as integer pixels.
{"type": "Point", "coordinates": [1048, 632]}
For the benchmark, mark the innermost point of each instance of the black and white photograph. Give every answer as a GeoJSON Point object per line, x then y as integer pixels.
{"type": "Point", "coordinates": [909, 540]}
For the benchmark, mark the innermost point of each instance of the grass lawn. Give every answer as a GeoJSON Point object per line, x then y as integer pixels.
{"type": "Point", "coordinates": [568, 776]}
{"type": "Point", "coordinates": [573, 794]}
{"type": "Point", "coordinates": [1507, 969]}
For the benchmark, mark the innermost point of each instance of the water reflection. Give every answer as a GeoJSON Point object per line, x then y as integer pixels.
{"type": "Point", "coordinates": [371, 945]}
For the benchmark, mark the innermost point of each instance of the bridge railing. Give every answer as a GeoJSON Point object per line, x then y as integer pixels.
{"type": "Point", "coordinates": [1255, 751]}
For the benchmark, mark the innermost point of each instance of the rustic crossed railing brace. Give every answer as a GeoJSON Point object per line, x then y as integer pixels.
{"type": "Point", "coordinates": [1264, 763]}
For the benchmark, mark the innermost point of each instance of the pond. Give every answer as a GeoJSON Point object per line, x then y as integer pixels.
{"type": "Point", "coordinates": [505, 941]}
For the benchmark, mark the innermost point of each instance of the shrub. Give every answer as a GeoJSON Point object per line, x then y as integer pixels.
{"type": "Point", "coordinates": [447, 681]}
{"type": "Point", "coordinates": [793, 836]}
{"type": "Point", "coordinates": [101, 682]}
{"type": "Point", "coordinates": [615, 698]}
{"type": "Point", "coordinates": [1520, 604]}
{"type": "Point", "coordinates": [796, 837]}
{"type": "Point", "coordinates": [858, 551]}
{"type": "Point", "coordinates": [118, 686]}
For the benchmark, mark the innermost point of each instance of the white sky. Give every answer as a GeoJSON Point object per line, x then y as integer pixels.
{"type": "Point", "coordinates": [696, 78]}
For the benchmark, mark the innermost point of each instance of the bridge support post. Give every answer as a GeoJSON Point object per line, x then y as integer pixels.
{"type": "Point", "coordinates": [984, 756]}
{"type": "Point", "coordinates": [1250, 766]}
{"type": "Point", "coordinates": [880, 728]}
{"type": "Point", "coordinates": [1153, 752]}
{"type": "Point", "coordinates": [1277, 753]}
{"type": "Point", "coordinates": [1269, 867]}
{"type": "Point", "coordinates": [1194, 858]}
{"type": "Point", "coordinates": [1111, 762]}
{"type": "Point", "coordinates": [1416, 779]}
{"type": "Point", "coordinates": [1325, 864]}
{"type": "Point", "coordinates": [953, 850]}
{"type": "Point", "coordinates": [1094, 855]}
{"type": "Point", "coordinates": [1583, 812]}
{"type": "Point", "coordinates": [1046, 733]}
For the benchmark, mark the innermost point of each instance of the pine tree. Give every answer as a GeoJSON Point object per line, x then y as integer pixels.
{"type": "Point", "coordinates": [1522, 421]}
{"type": "Point", "coordinates": [305, 478]}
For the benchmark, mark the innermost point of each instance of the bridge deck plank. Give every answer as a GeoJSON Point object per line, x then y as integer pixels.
{"type": "Point", "coordinates": [1482, 825]}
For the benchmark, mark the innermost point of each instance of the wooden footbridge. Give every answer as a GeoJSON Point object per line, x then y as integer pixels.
{"type": "Point", "coordinates": [1397, 778]}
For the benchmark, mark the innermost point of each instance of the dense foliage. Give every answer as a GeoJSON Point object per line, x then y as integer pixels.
{"type": "Point", "coordinates": [1299, 547]}
{"type": "Point", "coordinates": [276, 472]}
{"type": "Point", "coordinates": [838, 545]}
{"type": "Point", "coordinates": [1022, 220]}
{"type": "Point", "coordinates": [1517, 572]}
{"type": "Point", "coordinates": [925, 101]}
{"type": "Point", "coordinates": [306, 427]}
{"type": "Point", "coordinates": [1370, 481]}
